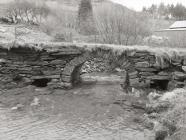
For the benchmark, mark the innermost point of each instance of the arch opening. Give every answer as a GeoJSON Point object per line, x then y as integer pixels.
{"type": "Point", "coordinates": [98, 66]}
{"type": "Point", "coordinates": [43, 82]}
{"type": "Point", "coordinates": [93, 71]}
{"type": "Point", "coordinates": [159, 84]}
{"type": "Point", "coordinates": [76, 75]}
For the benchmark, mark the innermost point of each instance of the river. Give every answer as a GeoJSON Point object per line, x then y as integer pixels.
{"type": "Point", "coordinates": [87, 112]}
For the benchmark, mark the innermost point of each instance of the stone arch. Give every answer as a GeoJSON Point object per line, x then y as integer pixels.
{"type": "Point", "coordinates": [71, 73]}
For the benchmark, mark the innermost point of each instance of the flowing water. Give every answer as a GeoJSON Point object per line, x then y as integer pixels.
{"type": "Point", "coordinates": [87, 112]}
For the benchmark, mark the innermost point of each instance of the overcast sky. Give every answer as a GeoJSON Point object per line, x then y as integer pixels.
{"type": "Point", "coordinates": [4, 1]}
{"type": "Point", "coordinates": [138, 4]}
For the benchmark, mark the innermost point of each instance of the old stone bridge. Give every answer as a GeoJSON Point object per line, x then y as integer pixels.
{"type": "Point", "coordinates": [60, 64]}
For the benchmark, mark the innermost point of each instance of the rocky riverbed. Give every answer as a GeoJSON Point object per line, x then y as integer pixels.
{"type": "Point", "coordinates": [90, 112]}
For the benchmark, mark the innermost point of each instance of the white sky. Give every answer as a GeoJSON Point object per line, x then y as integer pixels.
{"type": "Point", "coordinates": [4, 1]}
{"type": "Point", "coordinates": [138, 4]}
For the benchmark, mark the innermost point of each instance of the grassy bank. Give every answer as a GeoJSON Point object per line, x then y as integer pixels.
{"type": "Point", "coordinates": [169, 114]}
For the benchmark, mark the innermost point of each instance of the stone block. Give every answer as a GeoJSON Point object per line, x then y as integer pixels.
{"type": "Point", "coordinates": [184, 68]}
{"type": "Point", "coordinates": [133, 75]}
{"type": "Point", "coordinates": [163, 73]}
{"type": "Point", "coordinates": [147, 69]}
{"type": "Point", "coordinates": [54, 72]}
{"type": "Point", "coordinates": [58, 62]}
{"type": "Point", "coordinates": [159, 77]}
{"type": "Point", "coordinates": [146, 73]}
{"type": "Point", "coordinates": [134, 81]}
{"type": "Point", "coordinates": [66, 85]}
{"type": "Point", "coordinates": [44, 76]}
{"type": "Point", "coordinates": [179, 75]}
{"type": "Point", "coordinates": [142, 64]}
{"type": "Point", "coordinates": [66, 79]}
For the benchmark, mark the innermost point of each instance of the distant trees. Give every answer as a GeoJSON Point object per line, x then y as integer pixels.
{"type": "Point", "coordinates": [177, 11]}
{"type": "Point", "coordinates": [27, 11]}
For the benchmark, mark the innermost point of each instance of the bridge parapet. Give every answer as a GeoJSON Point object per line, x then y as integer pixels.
{"type": "Point", "coordinates": [61, 63]}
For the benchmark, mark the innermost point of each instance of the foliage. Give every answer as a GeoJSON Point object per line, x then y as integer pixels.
{"type": "Point", "coordinates": [61, 24]}
{"type": "Point", "coordinates": [177, 114]}
{"type": "Point", "coordinates": [118, 25]}
{"type": "Point", "coordinates": [25, 11]}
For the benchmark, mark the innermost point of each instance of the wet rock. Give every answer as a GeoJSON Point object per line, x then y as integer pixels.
{"type": "Point", "coordinates": [59, 85]}
{"type": "Point", "coordinates": [178, 135]}
{"type": "Point", "coordinates": [138, 104]}
{"type": "Point", "coordinates": [171, 85]}
{"type": "Point", "coordinates": [161, 131]}
{"type": "Point", "coordinates": [26, 81]}
{"type": "Point", "coordinates": [17, 107]}
{"type": "Point", "coordinates": [171, 126]}
{"type": "Point", "coordinates": [64, 85]}
{"type": "Point", "coordinates": [118, 70]}
{"type": "Point", "coordinates": [184, 68]}
{"type": "Point", "coordinates": [157, 107]}
{"type": "Point", "coordinates": [2, 61]}
{"type": "Point", "coordinates": [83, 71]}
{"type": "Point", "coordinates": [161, 135]}
{"type": "Point", "coordinates": [179, 76]}
{"type": "Point", "coordinates": [153, 96]}
{"type": "Point", "coordinates": [154, 115]}
{"type": "Point", "coordinates": [148, 123]}
{"type": "Point", "coordinates": [35, 102]}
{"type": "Point", "coordinates": [137, 92]}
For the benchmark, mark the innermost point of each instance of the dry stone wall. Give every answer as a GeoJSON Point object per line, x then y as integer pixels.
{"type": "Point", "coordinates": [22, 66]}
{"type": "Point", "coordinates": [59, 65]}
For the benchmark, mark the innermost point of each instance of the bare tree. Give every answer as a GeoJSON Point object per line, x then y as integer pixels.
{"type": "Point", "coordinates": [118, 25]}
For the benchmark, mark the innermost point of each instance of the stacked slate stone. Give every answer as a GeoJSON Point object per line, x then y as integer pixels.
{"type": "Point", "coordinates": [150, 70]}
{"type": "Point", "coordinates": [94, 65]}
{"type": "Point", "coordinates": [61, 64]}
{"type": "Point", "coordinates": [22, 66]}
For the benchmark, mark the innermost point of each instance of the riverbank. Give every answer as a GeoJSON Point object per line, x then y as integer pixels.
{"type": "Point", "coordinates": [166, 111]}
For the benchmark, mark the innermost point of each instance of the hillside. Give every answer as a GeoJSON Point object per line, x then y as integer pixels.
{"type": "Point", "coordinates": [67, 5]}
{"type": "Point", "coordinates": [23, 34]}
{"type": "Point", "coordinates": [72, 5]}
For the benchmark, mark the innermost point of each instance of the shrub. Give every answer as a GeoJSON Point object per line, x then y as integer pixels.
{"type": "Point", "coordinates": [27, 11]}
